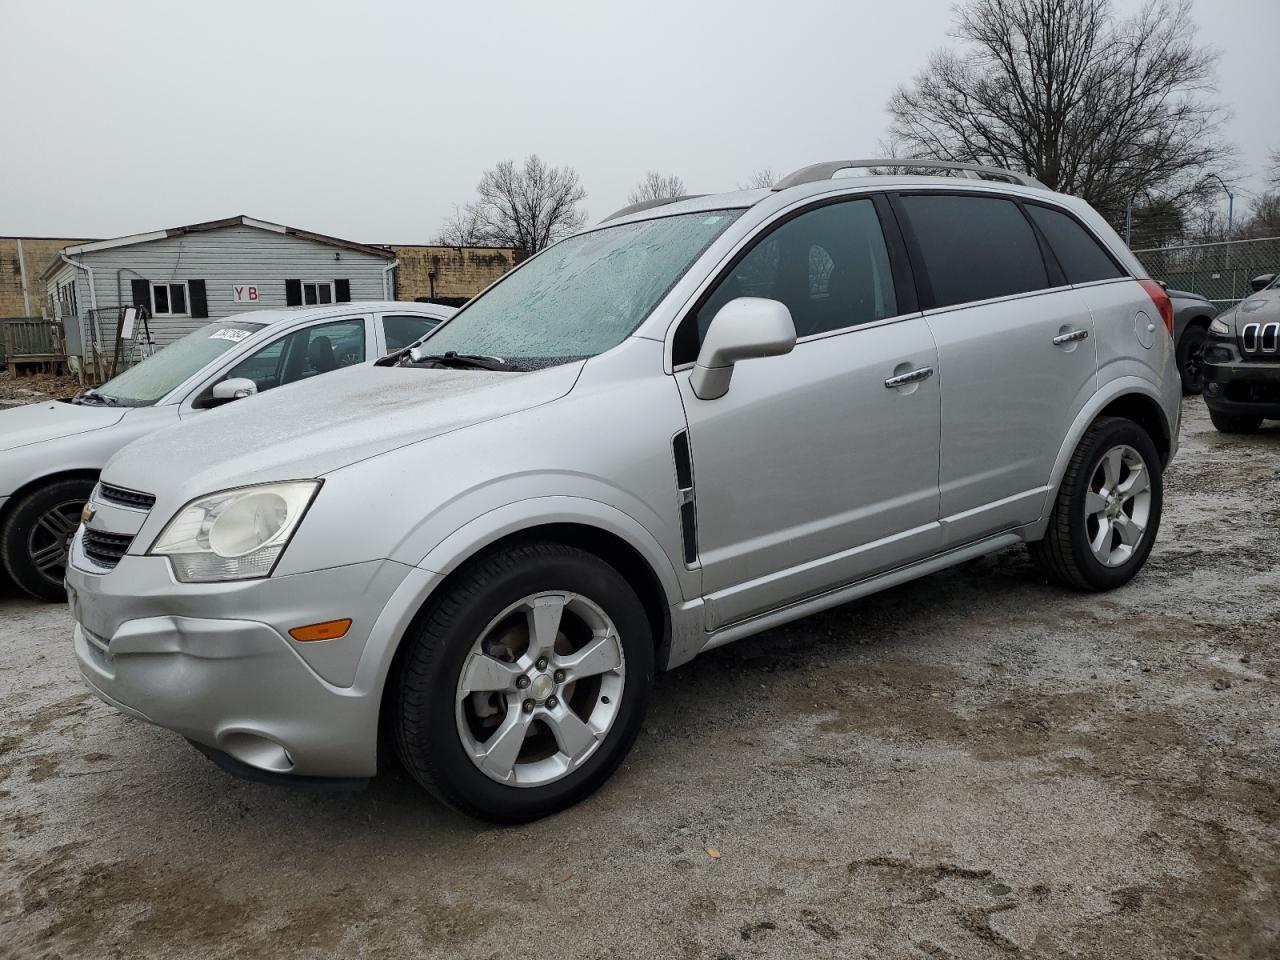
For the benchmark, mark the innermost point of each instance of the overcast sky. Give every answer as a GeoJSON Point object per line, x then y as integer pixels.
{"type": "Point", "coordinates": [369, 120]}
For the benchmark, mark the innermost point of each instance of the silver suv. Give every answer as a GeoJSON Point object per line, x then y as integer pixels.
{"type": "Point", "coordinates": [693, 422]}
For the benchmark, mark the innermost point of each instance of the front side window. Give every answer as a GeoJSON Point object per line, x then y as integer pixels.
{"type": "Point", "coordinates": [304, 353]}
{"type": "Point", "coordinates": [974, 248]}
{"type": "Point", "coordinates": [168, 299]}
{"type": "Point", "coordinates": [148, 381]}
{"type": "Point", "coordinates": [400, 330]}
{"type": "Point", "coordinates": [582, 296]}
{"type": "Point", "coordinates": [830, 266]}
{"type": "Point", "coordinates": [1082, 258]}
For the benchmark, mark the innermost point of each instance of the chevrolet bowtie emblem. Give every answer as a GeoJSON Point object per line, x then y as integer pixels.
{"type": "Point", "coordinates": [88, 513]}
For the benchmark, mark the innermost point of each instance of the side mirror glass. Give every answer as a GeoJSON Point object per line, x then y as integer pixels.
{"type": "Point", "coordinates": [235, 388]}
{"type": "Point", "coordinates": [1262, 282]}
{"type": "Point", "coordinates": [743, 329]}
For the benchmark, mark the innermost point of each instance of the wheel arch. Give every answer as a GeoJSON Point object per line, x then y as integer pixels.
{"type": "Point", "coordinates": [656, 587]}
{"type": "Point", "coordinates": [20, 494]}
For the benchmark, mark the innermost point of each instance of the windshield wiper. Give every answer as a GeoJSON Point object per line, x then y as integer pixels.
{"type": "Point", "coordinates": [451, 358]}
{"type": "Point", "coordinates": [92, 396]}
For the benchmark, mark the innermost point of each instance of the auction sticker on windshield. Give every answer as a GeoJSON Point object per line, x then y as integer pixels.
{"type": "Point", "coordinates": [230, 333]}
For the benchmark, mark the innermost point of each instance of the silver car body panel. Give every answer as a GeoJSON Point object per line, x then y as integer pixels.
{"type": "Point", "coordinates": [813, 481]}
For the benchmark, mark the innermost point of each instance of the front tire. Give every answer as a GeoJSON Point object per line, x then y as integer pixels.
{"type": "Point", "coordinates": [1191, 359]}
{"type": "Point", "coordinates": [36, 536]}
{"type": "Point", "coordinates": [1107, 513]}
{"type": "Point", "coordinates": [524, 683]}
{"type": "Point", "coordinates": [1234, 423]}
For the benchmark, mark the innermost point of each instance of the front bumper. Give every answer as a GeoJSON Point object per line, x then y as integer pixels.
{"type": "Point", "coordinates": [214, 662]}
{"type": "Point", "coordinates": [1234, 385]}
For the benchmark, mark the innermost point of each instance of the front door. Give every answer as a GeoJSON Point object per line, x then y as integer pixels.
{"type": "Point", "coordinates": [811, 472]}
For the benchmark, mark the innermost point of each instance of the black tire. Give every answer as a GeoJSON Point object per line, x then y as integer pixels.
{"type": "Point", "coordinates": [1235, 422]}
{"type": "Point", "coordinates": [1191, 359]}
{"type": "Point", "coordinates": [438, 644]}
{"type": "Point", "coordinates": [1064, 554]}
{"type": "Point", "coordinates": [32, 530]}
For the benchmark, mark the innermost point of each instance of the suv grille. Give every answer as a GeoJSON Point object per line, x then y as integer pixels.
{"type": "Point", "coordinates": [126, 498]}
{"type": "Point", "coordinates": [1261, 339]}
{"type": "Point", "coordinates": [105, 549]}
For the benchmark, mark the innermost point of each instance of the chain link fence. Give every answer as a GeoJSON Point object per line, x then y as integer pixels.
{"type": "Point", "coordinates": [1219, 271]}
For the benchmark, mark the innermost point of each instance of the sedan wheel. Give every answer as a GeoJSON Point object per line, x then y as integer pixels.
{"type": "Point", "coordinates": [35, 538]}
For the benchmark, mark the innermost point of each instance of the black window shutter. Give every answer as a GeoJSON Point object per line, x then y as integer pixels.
{"type": "Point", "coordinates": [141, 293]}
{"type": "Point", "coordinates": [293, 293]}
{"type": "Point", "coordinates": [342, 291]}
{"type": "Point", "coordinates": [199, 302]}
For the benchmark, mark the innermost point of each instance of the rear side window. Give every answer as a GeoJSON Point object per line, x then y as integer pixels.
{"type": "Point", "coordinates": [400, 329]}
{"type": "Point", "coordinates": [974, 248]}
{"type": "Point", "coordinates": [1083, 258]}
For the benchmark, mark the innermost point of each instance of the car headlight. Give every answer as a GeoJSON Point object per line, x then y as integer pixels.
{"type": "Point", "coordinates": [1218, 325]}
{"type": "Point", "coordinates": [236, 534]}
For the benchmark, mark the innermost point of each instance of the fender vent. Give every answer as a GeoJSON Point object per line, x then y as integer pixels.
{"type": "Point", "coordinates": [684, 483]}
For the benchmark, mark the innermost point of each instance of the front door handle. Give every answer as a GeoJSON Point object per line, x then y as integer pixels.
{"type": "Point", "coordinates": [911, 376]}
{"type": "Point", "coordinates": [1072, 337]}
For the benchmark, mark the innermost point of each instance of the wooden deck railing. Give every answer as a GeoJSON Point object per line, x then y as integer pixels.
{"type": "Point", "coordinates": [31, 340]}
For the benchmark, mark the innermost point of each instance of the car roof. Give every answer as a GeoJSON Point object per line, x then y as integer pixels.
{"type": "Point", "coordinates": [302, 314]}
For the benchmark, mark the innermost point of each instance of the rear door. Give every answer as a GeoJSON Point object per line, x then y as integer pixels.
{"type": "Point", "coordinates": [813, 471]}
{"type": "Point", "coordinates": [1016, 358]}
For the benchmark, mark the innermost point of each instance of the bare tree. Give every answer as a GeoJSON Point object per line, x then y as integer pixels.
{"type": "Point", "coordinates": [655, 186]}
{"type": "Point", "coordinates": [759, 179]}
{"type": "Point", "coordinates": [1273, 168]}
{"type": "Point", "coordinates": [1108, 109]}
{"type": "Point", "coordinates": [528, 207]}
{"type": "Point", "coordinates": [461, 228]}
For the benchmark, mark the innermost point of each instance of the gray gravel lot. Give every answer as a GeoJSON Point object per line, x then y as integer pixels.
{"type": "Point", "coordinates": [973, 765]}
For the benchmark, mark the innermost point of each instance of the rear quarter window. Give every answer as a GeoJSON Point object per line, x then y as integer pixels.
{"type": "Point", "coordinates": [1082, 257]}
{"type": "Point", "coordinates": [974, 248]}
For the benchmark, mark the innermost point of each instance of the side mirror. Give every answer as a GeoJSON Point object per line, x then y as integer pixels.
{"type": "Point", "coordinates": [744, 328]}
{"type": "Point", "coordinates": [1262, 282]}
{"type": "Point", "coordinates": [236, 388]}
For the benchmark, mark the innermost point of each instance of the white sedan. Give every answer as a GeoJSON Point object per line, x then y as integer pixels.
{"type": "Point", "coordinates": [51, 453]}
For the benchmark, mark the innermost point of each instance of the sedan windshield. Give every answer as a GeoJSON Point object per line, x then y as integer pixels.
{"type": "Point", "coordinates": [148, 381]}
{"type": "Point", "coordinates": [581, 296]}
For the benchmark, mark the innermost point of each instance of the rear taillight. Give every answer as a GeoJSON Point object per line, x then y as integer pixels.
{"type": "Point", "coordinates": [1164, 306]}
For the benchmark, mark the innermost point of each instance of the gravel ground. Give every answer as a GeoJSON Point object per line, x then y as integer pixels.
{"type": "Point", "coordinates": [973, 765]}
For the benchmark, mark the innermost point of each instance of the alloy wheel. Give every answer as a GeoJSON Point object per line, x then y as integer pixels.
{"type": "Point", "coordinates": [540, 689]}
{"type": "Point", "coordinates": [49, 542]}
{"type": "Point", "coordinates": [1117, 506]}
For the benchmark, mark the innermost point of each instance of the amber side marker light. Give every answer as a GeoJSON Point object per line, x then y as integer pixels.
{"type": "Point", "coordinates": [329, 630]}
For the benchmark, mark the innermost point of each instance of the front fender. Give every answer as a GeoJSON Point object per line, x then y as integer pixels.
{"type": "Point", "coordinates": [490, 527]}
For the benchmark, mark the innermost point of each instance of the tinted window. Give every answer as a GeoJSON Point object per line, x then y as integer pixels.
{"type": "Point", "coordinates": [975, 248]}
{"type": "Point", "coordinates": [401, 330]}
{"type": "Point", "coordinates": [1082, 258]}
{"type": "Point", "coordinates": [829, 266]}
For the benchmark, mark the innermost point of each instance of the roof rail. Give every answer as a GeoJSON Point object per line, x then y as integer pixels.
{"type": "Point", "coordinates": [824, 171]}
{"type": "Point", "coordinates": [648, 205]}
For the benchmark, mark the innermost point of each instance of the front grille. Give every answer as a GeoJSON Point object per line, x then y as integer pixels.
{"type": "Point", "coordinates": [105, 549]}
{"type": "Point", "coordinates": [1261, 340]}
{"type": "Point", "coordinates": [126, 498]}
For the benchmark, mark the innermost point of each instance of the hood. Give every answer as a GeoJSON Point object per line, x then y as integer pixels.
{"type": "Point", "coordinates": [1185, 295]}
{"type": "Point", "coordinates": [312, 428]}
{"type": "Point", "coordinates": [52, 420]}
{"type": "Point", "coordinates": [1262, 307]}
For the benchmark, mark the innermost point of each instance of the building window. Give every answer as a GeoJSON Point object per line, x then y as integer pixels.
{"type": "Point", "coordinates": [317, 293]}
{"type": "Point", "coordinates": [169, 300]}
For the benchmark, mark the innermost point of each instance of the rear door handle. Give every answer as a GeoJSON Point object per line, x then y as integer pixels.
{"type": "Point", "coordinates": [911, 376]}
{"type": "Point", "coordinates": [1071, 337]}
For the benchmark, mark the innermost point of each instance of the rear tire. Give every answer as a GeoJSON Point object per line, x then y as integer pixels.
{"type": "Point", "coordinates": [1191, 359]}
{"type": "Point", "coordinates": [1107, 513]}
{"type": "Point", "coordinates": [474, 662]}
{"type": "Point", "coordinates": [37, 534]}
{"type": "Point", "coordinates": [1234, 423]}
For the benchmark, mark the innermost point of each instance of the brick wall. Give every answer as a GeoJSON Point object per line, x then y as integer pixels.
{"type": "Point", "coordinates": [459, 272]}
{"type": "Point", "coordinates": [38, 252]}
